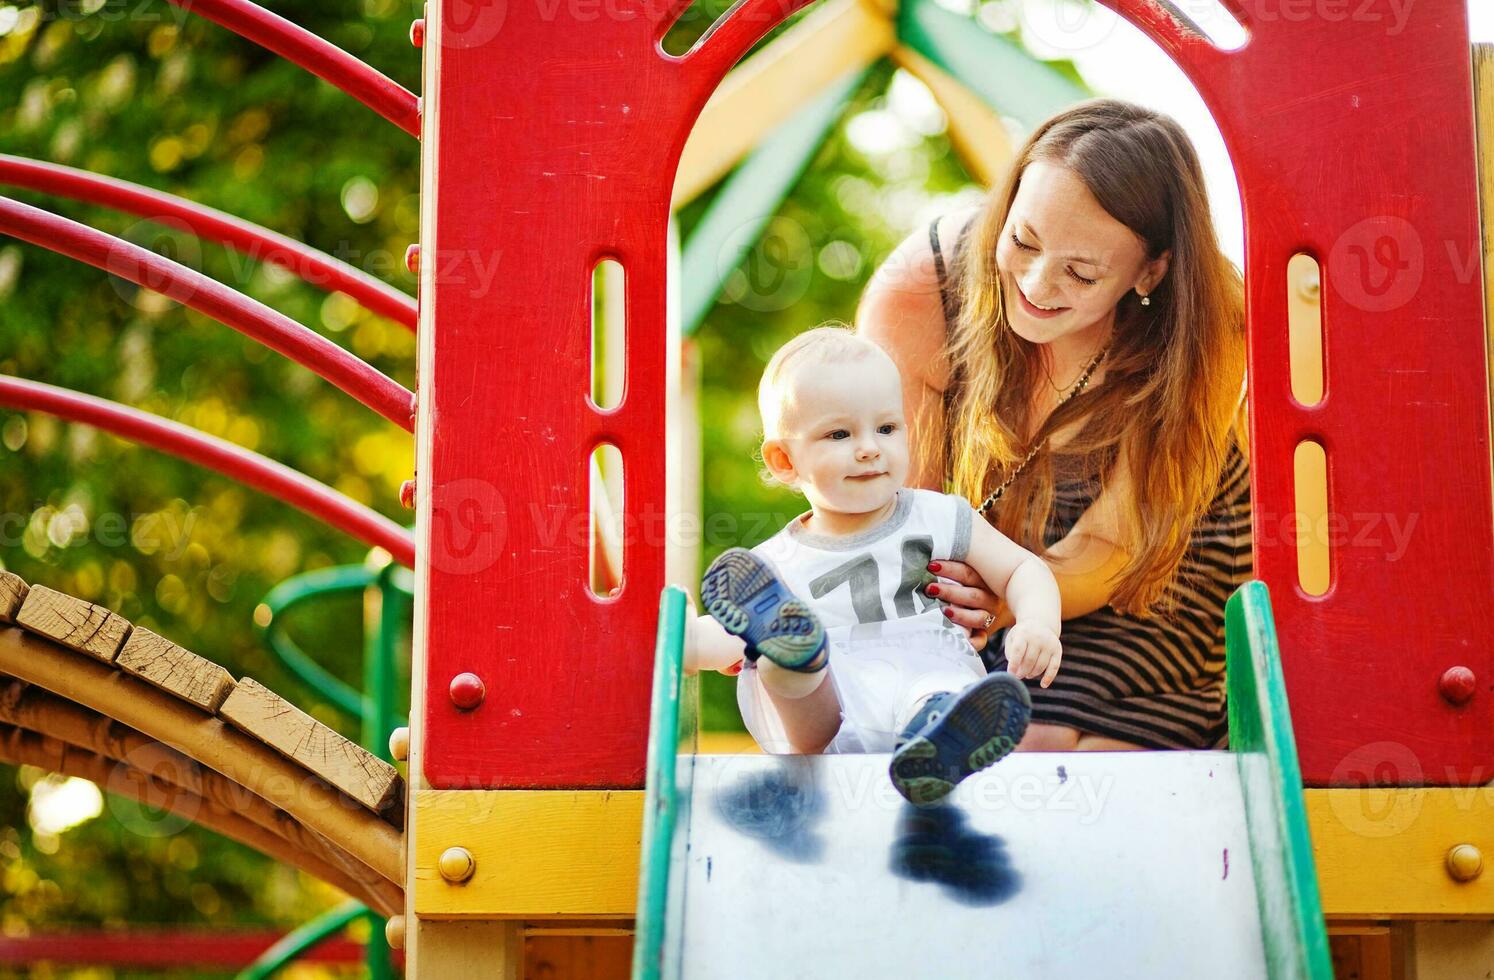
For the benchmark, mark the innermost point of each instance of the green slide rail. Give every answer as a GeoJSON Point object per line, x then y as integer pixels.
{"type": "Point", "coordinates": [671, 755]}
{"type": "Point", "coordinates": [1260, 732]}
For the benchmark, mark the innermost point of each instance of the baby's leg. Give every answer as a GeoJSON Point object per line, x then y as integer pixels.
{"type": "Point", "coordinates": [708, 646]}
{"type": "Point", "coordinates": [806, 706]}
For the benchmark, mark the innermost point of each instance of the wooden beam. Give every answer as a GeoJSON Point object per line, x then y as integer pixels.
{"type": "Point", "coordinates": [1483, 104]}
{"type": "Point", "coordinates": [975, 130]}
{"type": "Point", "coordinates": [258, 711]}
{"type": "Point", "coordinates": [550, 854]}
{"type": "Point", "coordinates": [12, 593]}
{"type": "Point", "coordinates": [19, 746]}
{"type": "Point", "coordinates": [1382, 852]}
{"type": "Point", "coordinates": [771, 86]}
{"type": "Point", "coordinates": [176, 670]}
{"type": "Point", "coordinates": [206, 738]}
{"type": "Point", "coordinates": [75, 623]}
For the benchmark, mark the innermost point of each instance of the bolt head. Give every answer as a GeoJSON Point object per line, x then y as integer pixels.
{"type": "Point", "coordinates": [394, 932]}
{"type": "Point", "coordinates": [417, 32]}
{"type": "Point", "coordinates": [456, 864]}
{"type": "Point", "coordinates": [467, 691]}
{"type": "Point", "coordinates": [412, 259]}
{"type": "Point", "coordinates": [1458, 685]}
{"type": "Point", "coordinates": [399, 744]}
{"type": "Point", "coordinates": [1464, 862]}
{"type": "Point", "coordinates": [407, 494]}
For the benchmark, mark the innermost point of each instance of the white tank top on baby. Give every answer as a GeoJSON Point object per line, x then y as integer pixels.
{"type": "Point", "coordinates": [890, 645]}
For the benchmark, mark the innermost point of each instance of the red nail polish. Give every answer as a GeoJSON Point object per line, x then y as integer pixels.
{"type": "Point", "coordinates": [949, 612]}
{"type": "Point", "coordinates": [931, 589]}
{"type": "Point", "coordinates": [933, 566]}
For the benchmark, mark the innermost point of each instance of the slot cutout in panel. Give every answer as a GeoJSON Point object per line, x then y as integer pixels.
{"type": "Point", "coordinates": [605, 539]}
{"type": "Point", "coordinates": [608, 333]}
{"type": "Point", "coordinates": [1311, 526]}
{"type": "Point", "coordinates": [1305, 328]}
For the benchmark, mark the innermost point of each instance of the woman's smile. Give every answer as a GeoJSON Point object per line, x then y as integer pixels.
{"type": "Point", "coordinates": [1035, 311]}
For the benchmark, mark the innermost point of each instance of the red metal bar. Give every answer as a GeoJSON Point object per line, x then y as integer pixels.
{"type": "Point", "coordinates": [227, 306]}
{"type": "Point", "coordinates": [318, 56]}
{"type": "Point", "coordinates": [235, 462]}
{"type": "Point", "coordinates": [258, 243]}
{"type": "Point", "coordinates": [147, 947]}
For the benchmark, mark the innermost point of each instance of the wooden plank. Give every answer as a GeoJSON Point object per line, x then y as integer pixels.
{"type": "Point", "coordinates": [75, 623]}
{"type": "Point", "coordinates": [1382, 852]}
{"type": "Point", "coordinates": [1483, 104]}
{"type": "Point", "coordinates": [975, 130]}
{"type": "Point", "coordinates": [539, 853]}
{"type": "Point", "coordinates": [12, 593]}
{"type": "Point", "coordinates": [771, 86]}
{"type": "Point", "coordinates": [175, 669]}
{"type": "Point", "coordinates": [259, 711]}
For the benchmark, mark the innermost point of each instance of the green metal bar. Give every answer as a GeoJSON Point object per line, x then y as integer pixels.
{"type": "Point", "coordinates": [735, 218]}
{"type": "Point", "coordinates": [298, 941]}
{"type": "Point", "coordinates": [380, 638]}
{"type": "Point", "coordinates": [268, 620]}
{"type": "Point", "coordinates": [671, 727]}
{"type": "Point", "coordinates": [1001, 72]}
{"type": "Point", "coordinates": [1260, 732]}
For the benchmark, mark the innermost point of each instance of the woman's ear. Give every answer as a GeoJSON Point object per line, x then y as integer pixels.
{"type": "Point", "coordinates": [1156, 270]}
{"type": "Point", "coordinates": [778, 462]}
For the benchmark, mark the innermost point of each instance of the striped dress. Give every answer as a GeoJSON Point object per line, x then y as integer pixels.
{"type": "Point", "coordinates": [1158, 683]}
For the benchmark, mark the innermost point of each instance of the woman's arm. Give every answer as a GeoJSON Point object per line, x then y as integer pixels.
{"type": "Point", "coordinates": [901, 312]}
{"type": "Point", "coordinates": [1085, 563]}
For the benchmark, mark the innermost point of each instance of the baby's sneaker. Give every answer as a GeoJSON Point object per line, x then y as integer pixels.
{"type": "Point", "coordinates": [745, 596]}
{"type": "Point", "coordinates": [957, 733]}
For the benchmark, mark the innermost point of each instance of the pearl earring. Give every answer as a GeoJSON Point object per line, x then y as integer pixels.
{"type": "Point", "coordinates": [1145, 300]}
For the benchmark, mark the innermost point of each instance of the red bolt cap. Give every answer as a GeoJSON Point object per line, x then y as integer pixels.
{"type": "Point", "coordinates": [467, 691]}
{"type": "Point", "coordinates": [417, 32]}
{"type": "Point", "coordinates": [407, 494]}
{"type": "Point", "coordinates": [1458, 685]}
{"type": "Point", "coordinates": [412, 259]}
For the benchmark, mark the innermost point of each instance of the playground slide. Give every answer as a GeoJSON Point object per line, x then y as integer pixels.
{"type": "Point", "coordinates": [1145, 865]}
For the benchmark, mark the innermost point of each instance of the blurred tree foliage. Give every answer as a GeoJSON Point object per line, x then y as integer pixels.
{"type": "Point", "coordinates": [142, 90]}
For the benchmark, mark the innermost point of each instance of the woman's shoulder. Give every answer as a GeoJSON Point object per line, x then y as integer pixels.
{"type": "Point", "coordinates": [902, 308]}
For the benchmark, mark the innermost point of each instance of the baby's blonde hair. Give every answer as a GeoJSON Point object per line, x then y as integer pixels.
{"type": "Point", "coordinates": [833, 342]}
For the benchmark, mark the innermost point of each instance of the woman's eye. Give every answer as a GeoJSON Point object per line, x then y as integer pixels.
{"type": "Point", "coordinates": [1028, 248]}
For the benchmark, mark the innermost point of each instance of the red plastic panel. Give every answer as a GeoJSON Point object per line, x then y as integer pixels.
{"type": "Point", "coordinates": [553, 135]}
{"type": "Point", "coordinates": [1351, 129]}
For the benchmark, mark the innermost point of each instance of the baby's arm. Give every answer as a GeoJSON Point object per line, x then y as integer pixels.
{"type": "Point", "coordinates": [1026, 584]}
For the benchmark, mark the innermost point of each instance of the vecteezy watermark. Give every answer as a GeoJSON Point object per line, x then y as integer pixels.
{"type": "Point", "coordinates": [1377, 264]}
{"type": "Point", "coordinates": [166, 532]}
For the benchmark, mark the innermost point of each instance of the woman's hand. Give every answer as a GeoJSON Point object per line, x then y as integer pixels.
{"type": "Point", "coordinates": [970, 602]}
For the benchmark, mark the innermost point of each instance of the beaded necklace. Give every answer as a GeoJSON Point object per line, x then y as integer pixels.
{"type": "Point", "coordinates": [1078, 387]}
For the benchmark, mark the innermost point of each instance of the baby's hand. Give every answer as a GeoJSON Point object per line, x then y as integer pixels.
{"type": "Point", "coordinates": [1032, 649]}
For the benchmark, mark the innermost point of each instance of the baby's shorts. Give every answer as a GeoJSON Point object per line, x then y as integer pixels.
{"type": "Point", "coordinates": [879, 683]}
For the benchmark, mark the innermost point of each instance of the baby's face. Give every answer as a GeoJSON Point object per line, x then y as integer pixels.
{"type": "Point", "coordinates": [845, 435]}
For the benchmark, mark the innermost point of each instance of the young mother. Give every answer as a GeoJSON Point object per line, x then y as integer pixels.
{"type": "Point", "coordinates": [1084, 320]}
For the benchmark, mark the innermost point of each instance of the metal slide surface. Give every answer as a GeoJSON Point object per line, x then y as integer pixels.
{"type": "Point", "coordinates": [1100, 864]}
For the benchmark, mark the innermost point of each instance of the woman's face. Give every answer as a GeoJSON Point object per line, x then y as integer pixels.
{"type": "Point", "coordinates": [1060, 249]}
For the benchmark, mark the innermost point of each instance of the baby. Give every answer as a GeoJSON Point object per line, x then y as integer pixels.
{"type": "Point", "coordinates": [840, 593]}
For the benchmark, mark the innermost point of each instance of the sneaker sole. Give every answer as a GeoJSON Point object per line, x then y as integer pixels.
{"type": "Point", "coordinates": [929, 766]}
{"type": "Point", "coordinates": [741, 592]}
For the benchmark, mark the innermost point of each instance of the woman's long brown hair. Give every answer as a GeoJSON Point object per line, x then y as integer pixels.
{"type": "Point", "coordinates": [1174, 372]}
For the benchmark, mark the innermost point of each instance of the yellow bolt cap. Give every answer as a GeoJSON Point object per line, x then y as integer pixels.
{"type": "Point", "coordinates": [1465, 862]}
{"type": "Point", "coordinates": [399, 744]}
{"type": "Point", "coordinates": [456, 864]}
{"type": "Point", "coordinates": [394, 932]}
